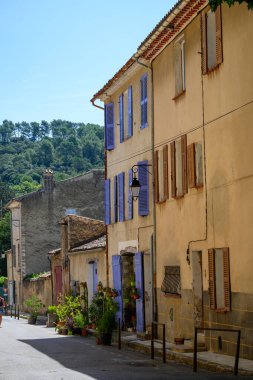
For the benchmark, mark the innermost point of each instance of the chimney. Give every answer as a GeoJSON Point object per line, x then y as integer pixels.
{"type": "Point", "coordinates": [48, 178]}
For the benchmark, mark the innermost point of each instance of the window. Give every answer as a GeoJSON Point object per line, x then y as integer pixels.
{"type": "Point", "coordinates": [143, 204]}
{"type": "Point", "coordinates": [121, 196]}
{"type": "Point", "coordinates": [161, 175]}
{"type": "Point", "coordinates": [126, 115]}
{"type": "Point", "coordinates": [109, 126]}
{"type": "Point", "coordinates": [212, 54]}
{"type": "Point", "coordinates": [171, 283]}
{"type": "Point", "coordinates": [107, 201]}
{"type": "Point", "coordinates": [178, 153]}
{"type": "Point", "coordinates": [179, 55]}
{"type": "Point", "coordinates": [70, 211]}
{"type": "Point", "coordinates": [195, 165]}
{"type": "Point", "coordinates": [130, 198]}
{"type": "Point", "coordinates": [144, 101]}
{"type": "Point", "coordinates": [219, 279]}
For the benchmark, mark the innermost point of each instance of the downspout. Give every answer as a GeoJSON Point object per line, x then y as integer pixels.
{"type": "Point", "coordinates": [153, 236]}
{"type": "Point", "coordinates": [106, 227]}
{"type": "Point", "coordinates": [52, 292]}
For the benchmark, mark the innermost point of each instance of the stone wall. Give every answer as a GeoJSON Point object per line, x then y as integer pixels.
{"type": "Point", "coordinates": [42, 211]}
{"type": "Point", "coordinates": [39, 287]}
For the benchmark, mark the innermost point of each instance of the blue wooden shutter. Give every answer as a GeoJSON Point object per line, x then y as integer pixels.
{"type": "Point", "coordinates": [130, 111]}
{"type": "Point", "coordinates": [143, 196]}
{"type": "Point", "coordinates": [107, 202]}
{"type": "Point", "coordinates": [121, 118]}
{"type": "Point", "coordinates": [130, 198]}
{"type": "Point", "coordinates": [121, 188]}
{"type": "Point", "coordinates": [139, 281]}
{"type": "Point", "coordinates": [116, 271]}
{"type": "Point", "coordinates": [144, 101]}
{"type": "Point", "coordinates": [115, 205]}
{"type": "Point", "coordinates": [109, 126]}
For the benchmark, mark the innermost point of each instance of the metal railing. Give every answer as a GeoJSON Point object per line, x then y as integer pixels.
{"type": "Point", "coordinates": [217, 329]}
{"type": "Point", "coordinates": [153, 340]}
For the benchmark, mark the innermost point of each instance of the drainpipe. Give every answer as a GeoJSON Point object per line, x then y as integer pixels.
{"type": "Point", "coordinates": [106, 227]}
{"type": "Point", "coordinates": [153, 237]}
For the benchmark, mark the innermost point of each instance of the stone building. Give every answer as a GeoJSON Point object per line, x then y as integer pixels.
{"type": "Point", "coordinates": [35, 220]}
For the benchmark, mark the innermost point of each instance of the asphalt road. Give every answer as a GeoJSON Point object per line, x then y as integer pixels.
{"type": "Point", "coordinates": [30, 352]}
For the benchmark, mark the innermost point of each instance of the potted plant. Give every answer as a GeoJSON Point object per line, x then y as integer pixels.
{"type": "Point", "coordinates": [51, 316]}
{"type": "Point", "coordinates": [34, 306]}
{"type": "Point", "coordinates": [106, 325]}
{"type": "Point", "coordinates": [80, 324]}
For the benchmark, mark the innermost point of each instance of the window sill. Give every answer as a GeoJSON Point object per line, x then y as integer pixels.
{"type": "Point", "coordinates": [179, 95]}
{"type": "Point", "coordinates": [171, 295]}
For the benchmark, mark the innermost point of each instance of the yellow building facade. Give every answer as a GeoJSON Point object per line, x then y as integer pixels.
{"type": "Point", "coordinates": [198, 141]}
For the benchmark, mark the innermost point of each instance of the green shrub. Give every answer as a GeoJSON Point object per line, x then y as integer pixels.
{"type": "Point", "coordinates": [35, 305]}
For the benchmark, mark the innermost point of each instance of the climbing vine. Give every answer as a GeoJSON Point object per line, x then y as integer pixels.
{"type": "Point", "coordinates": [215, 3]}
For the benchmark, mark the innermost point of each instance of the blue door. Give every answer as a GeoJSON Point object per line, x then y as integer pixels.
{"type": "Point", "coordinates": [139, 281]}
{"type": "Point", "coordinates": [117, 283]}
{"type": "Point", "coordinates": [95, 276]}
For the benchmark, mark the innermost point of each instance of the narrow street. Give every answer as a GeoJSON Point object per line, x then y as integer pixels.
{"type": "Point", "coordinates": [31, 352]}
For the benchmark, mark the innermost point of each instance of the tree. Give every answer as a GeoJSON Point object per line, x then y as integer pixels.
{"type": "Point", "coordinates": [45, 153]}
{"type": "Point", "coordinates": [5, 240]}
{"type": "Point", "coordinates": [215, 3]}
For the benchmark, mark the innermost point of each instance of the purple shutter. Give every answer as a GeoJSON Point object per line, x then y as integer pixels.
{"type": "Point", "coordinates": [121, 192]}
{"type": "Point", "coordinates": [130, 111]}
{"type": "Point", "coordinates": [107, 202]}
{"type": "Point", "coordinates": [109, 126]}
{"type": "Point", "coordinates": [139, 281]}
{"type": "Point", "coordinates": [115, 185]}
{"type": "Point", "coordinates": [144, 101]}
{"type": "Point", "coordinates": [121, 118]}
{"type": "Point", "coordinates": [116, 271]}
{"type": "Point", "coordinates": [143, 205]}
{"type": "Point", "coordinates": [130, 198]}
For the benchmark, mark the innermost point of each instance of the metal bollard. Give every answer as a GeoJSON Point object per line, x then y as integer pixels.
{"type": "Point", "coordinates": [195, 350]}
{"type": "Point", "coordinates": [119, 335]}
{"type": "Point", "coordinates": [164, 347]}
{"type": "Point", "coordinates": [18, 312]}
{"type": "Point", "coordinates": [15, 313]}
{"type": "Point", "coordinates": [11, 311]}
{"type": "Point", "coordinates": [152, 341]}
{"type": "Point", "coordinates": [237, 353]}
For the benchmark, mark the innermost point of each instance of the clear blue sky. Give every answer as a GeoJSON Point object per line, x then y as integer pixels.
{"type": "Point", "coordinates": [55, 54]}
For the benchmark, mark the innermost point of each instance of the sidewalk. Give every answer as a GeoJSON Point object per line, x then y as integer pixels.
{"type": "Point", "coordinates": [206, 359]}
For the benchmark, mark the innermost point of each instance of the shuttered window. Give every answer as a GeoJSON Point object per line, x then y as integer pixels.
{"type": "Point", "coordinates": [179, 65]}
{"type": "Point", "coordinates": [130, 198]}
{"type": "Point", "coordinates": [195, 165]}
{"type": "Point", "coordinates": [121, 196]}
{"type": "Point", "coordinates": [219, 279]}
{"type": "Point", "coordinates": [126, 114]}
{"type": "Point", "coordinates": [143, 205]}
{"type": "Point", "coordinates": [161, 174]}
{"type": "Point", "coordinates": [107, 201]}
{"type": "Point", "coordinates": [144, 101]}
{"type": "Point", "coordinates": [109, 126]}
{"type": "Point", "coordinates": [211, 30]}
{"type": "Point", "coordinates": [178, 155]}
{"type": "Point", "coordinates": [115, 198]}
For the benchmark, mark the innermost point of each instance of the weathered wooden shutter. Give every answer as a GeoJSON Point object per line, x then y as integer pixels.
{"type": "Point", "coordinates": [144, 101]}
{"type": "Point", "coordinates": [184, 163]}
{"type": "Point", "coordinates": [191, 165]}
{"type": "Point", "coordinates": [121, 118]}
{"type": "Point", "coordinates": [226, 270]}
{"type": "Point", "coordinates": [130, 198]}
{"type": "Point", "coordinates": [212, 287]}
{"type": "Point", "coordinates": [173, 169]}
{"type": "Point", "coordinates": [107, 200]}
{"type": "Point", "coordinates": [204, 43]}
{"type": "Point", "coordinates": [109, 126]}
{"type": "Point", "coordinates": [115, 185]}
{"type": "Point", "coordinates": [130, 111]}
{"type": "Point", "coordinates": [156, 174]}
{"type": "Point", "coordinates": [139, 281]}
{"type": "Point", "coordinates": [143, 205]}
{"type": "Point", "coordinates": [117, 283]}
{"type": "Point", "coordinates": [219, 53]}
{"type": "Point", "coordinates": [165, 172]}
{"type": "Point", "coordinates": [121, 192]}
